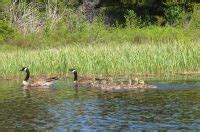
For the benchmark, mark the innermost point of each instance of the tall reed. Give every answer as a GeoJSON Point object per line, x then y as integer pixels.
{"type": "Point", "coordinates": [112, 59]}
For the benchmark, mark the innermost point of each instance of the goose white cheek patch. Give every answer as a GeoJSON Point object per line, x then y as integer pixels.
{"type": "Point", "coordinates": [25, 69]}
{"type": "Point", "coordinates": [74, 71]}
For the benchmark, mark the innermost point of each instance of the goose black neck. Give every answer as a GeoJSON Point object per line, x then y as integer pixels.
{"type": "Point", "coordinates": [75, 76]}
{"type": "Point", "coordinates": [27, 75]}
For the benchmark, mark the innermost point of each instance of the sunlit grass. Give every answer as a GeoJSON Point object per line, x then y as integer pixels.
{"type": "Point", "coordinates": [112, 59]}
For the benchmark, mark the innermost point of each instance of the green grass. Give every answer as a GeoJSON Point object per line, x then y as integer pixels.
{"type": "Point", "coordinates": [97, 33]}
{"type": "Point", "coordinates": [96, 48]}
{"type": "Point", "coordinates": [105, 58]}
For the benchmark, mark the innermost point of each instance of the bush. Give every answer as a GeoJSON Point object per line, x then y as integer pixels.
{"type": "Point", "coordinates": [5, 31]}
{"type": "Point", "coordinates": [196, 17]}
{"type": "Point", "coordinates": [174, 14]}
{"type": "Point", "coordinates": [132, 20]}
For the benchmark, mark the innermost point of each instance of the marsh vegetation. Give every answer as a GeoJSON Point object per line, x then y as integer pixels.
{"type": "Point", "coordinates": [110, 59]}
{"type": "Point", "coordinates": [52, 38]}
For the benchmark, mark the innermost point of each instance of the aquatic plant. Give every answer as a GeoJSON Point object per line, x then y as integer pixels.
{"type": "Point", "coordinates": [112, 58]}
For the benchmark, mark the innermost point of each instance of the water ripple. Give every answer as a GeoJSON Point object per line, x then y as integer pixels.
{"type": "Point", "coordinates": [170, 107]}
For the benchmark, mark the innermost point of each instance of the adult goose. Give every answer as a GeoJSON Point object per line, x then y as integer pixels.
{"type": "Point", "coordinates": [37, 82]}
{"type": "Point", "coordinates": [88, 81]}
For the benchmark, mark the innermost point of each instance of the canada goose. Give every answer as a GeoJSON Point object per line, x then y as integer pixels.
{"type": "Point", "coordinates": [37, 82]}
{"type": "Point", "coordinates": [81, 81]}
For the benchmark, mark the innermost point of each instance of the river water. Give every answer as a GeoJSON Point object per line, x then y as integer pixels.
{"type": "Point", "coordinates": [174, 105]}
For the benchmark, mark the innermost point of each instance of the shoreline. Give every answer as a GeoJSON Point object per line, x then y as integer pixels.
{"type": "Point", "coordinates": [144, 75]}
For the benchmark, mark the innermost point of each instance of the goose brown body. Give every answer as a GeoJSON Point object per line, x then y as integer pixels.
{"type": "Point", "coordinates": [85, 81]}
{"type": "Point", "coordinates": [36, 82]}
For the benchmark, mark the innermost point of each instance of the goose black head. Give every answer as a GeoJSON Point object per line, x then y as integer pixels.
{"type": "Point", "coordinates": [73, 70]}
{"type": "Point", "coordinates": [24, 69]}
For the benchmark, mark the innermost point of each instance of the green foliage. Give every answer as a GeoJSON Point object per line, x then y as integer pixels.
{"type": "Point", "coordinates": [71, 41]}
{"type": "Point", "coordinates": [132, 20]}
{"type": "Point", "coordinates": [174, 14]}
{"type": "Point", "coordinates": [196, 17]}
{"type": "Point", "coordinates": [111, 59]}
{"type": "Point", "coordinates": [87, 33]}
{"type": "Point", "coordinates": [56, 28]}
{"type": "Point", "coordinates": [5, 31]}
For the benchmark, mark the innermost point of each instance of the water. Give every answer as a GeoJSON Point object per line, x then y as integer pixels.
{"type": "Point", "coordinates": [175, 105]}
